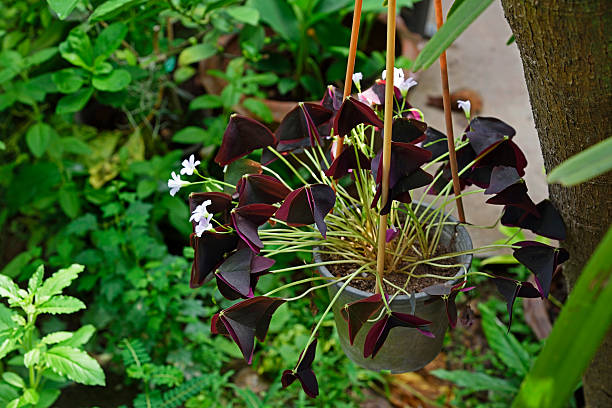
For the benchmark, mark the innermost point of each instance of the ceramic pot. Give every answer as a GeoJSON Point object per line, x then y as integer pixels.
{"type": "Point", "coordinates": [405, 349]}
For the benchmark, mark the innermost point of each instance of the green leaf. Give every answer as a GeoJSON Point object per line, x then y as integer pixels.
{"type": "Point", "coordinates": [61, 305]}
{"type": "Point", "coordinates": [244, 14]}
{"type": "Point", "coordinates": [58, 281]}
{"type": "Point", "coordinates": [68, 80]}
{"type": "Point", "coordinates": [117, 80]}
{"type": "Point", "coordinates": [190, 135]}
{"type": "Point", "coordinates": [75, 146]}
{"type": "Point", "coordinates": [110, 7]}
{"type": "Point", "coordinates": [77, 49]}
{"type": "Point", "coordinates": [9, 289]}
{"type": "Point", "coordinates": [6, 318]}
{"type": "Point", "coordinates": [505, 345]}
{"type": "Point", "coordinates": [62, 8]}
{"type": "Point", "coordinates": [196, 53]}
{"type": "Point", "coordinates": [56, 337]}
{"type": "Point", "coordinates": [75, 364]}
{"type": "Point", "coordinates": [206, 102]}
{"type": "Point", "coordinates": [505, 259]}
{"type": "Point", "coordinates": [584, 166]}
{"type": "Point", "coordinates": [30, 396]}
{"type": "Point", "coordinates": [475, 381]}
{"type": "Point", "coordinates": [460, 19]}
{"type": "Point", "coordinates": [236, 169]}
{"type": "Point", "coordinates": [31, 358]}
{"type": "Point", "coordinates": [38, 137]}
{"type": "Point", "coordinates": [182, 74]}
{"type": "Point", "coordinates": [40, 56]}
{"type": "Point", "coordinates": [576, 335]}
{"type": "Point", "coordinates": [109, 40]}
{"type": "Point", "coordinates": [69, 201]}
{"type": "Point", "coordinates": [79, 337]}
{"type": "Point", "coordinates": [279, 15]}
{"type": "Point", "coordinates": [74, 102]}
{"type": "Point", "coordinates": [259, 109]}
{"type": "Point", "coordinates": [36, 279]}
{"type": "Point", "coordinates": [13, 379]}
{"type": "Point", "coordinates": [7, 346]}
{"type": "Point", "coordinates": [47, 397]}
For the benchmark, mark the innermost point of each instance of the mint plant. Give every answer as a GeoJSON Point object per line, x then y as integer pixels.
{"type": "Point", "coordinates": [50, 360]}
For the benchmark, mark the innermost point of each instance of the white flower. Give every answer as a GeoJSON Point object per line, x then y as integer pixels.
{"type": "Point", "coordinates": [357, 77]}
{"type": "Point", "coordinates": [465, 105]}
{"type": "Point", "coordinates": [398, 76]}
{"type": "Point", "coordinates": [204, 225]}
{"type": "Point", "coordinates": [175, 184]}
{"type": "Point", "coordinates": [189, 165]}
{"type": "Point", "coordinates": [200, 211]}
{"type": "Point", "coordinates": [404, 86]}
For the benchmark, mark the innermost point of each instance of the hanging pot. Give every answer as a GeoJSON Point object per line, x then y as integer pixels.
{"type": "Point", "coordinates": [405, 348]}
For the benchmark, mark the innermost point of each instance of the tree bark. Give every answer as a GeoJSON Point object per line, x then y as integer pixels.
{"type": "Point", "coordinates": [566, 50]}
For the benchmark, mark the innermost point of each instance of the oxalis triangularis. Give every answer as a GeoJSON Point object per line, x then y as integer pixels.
{"type": "Point", "coordinates": [360, 158]}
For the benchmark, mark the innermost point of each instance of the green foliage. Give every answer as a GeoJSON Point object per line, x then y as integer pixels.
{"type": "Point", "coordinates": [58, 352]}
{"type": "Point", "coordinates": [584, 166]}
{"type": "Point", "coordinates": [578, 331]}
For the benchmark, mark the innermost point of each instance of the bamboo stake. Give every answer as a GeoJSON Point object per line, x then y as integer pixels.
{"type": "Point", "coordinates": [449, 120]}
{"type": "Point", "coordinates": [386, 156]}
{"type": "Point", "coordinates": [350, 65]}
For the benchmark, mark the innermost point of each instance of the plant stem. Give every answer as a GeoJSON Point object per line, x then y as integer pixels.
{"type": "Point", "coordinates": [386, 156]}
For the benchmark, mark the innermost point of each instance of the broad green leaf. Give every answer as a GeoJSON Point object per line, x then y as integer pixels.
{"type": "Point", "coordinates": [68, 80]}
{"type": "Point", "coordinates": [206, 102]}
{"type": "Point", "coordinates": [63, 8]}
{"type": "Point", "coordinates": [6, 318]}
{"type": "Point", "coordinates": [117, 80]}
{"type": "Point", "coordinates": [30, 396]}
{"type": "Point", "coordinates": [40, 56]}
{"type": "Point", "coordinates": [58, 281]}
{"type": "Point", "coordinates": [9, 289]}
{"type": "Point", "coordinates": [75, 364]}
{"type": "Point", "coordinates": [74, 102]}
{"type": "Point", "coordinates": [244, 14]}
{"type": "Point", "coordinates": [505, 345]}
{"type": "Point", "coordinates": [47, 397]}
{"type": "Point", "coordinates": [7, 100]}
{"type": "Point", "coordinates": [6, 347]}
{"type": "Point", "coordinates": [182, 74]}
{"type": "Point", "coordinates": [505, 259]}
{"type": "Point", "coordinates": [79, 337]}
{"type": "Point", "coordinates": [279, 15]}
{"type": "Point", "coordinates": [190, 135]}
{"type": "Point", "coordinates": [475, 381]}
{"type": "Point", "coordinates": [460, 19]}
{"type": "Point", "coordinates": [77, 49]}
{"type": "Point", "coordinates": [238, 168]}
{"type": "Point", "coordinates": [76, 146]}
{"type": "Point", "coordinates": [13, 379]}
{"type": "Point", "coordinates": [36, 279]}
{"type": "Point", "coordinates": [259, 109]}
{"type": "Point", "coordinates": [110, 7]}
{"type": "Point", "coordinates": [31, 358]}
{"type": "Point", "coordinates": [109, 40]}
{"type": "Point", "coordinates": [7, 394]}
{"type": "Point", "coordinates": [576, 335]}
{"type": "Point", "coordinates": [38, 137]}
{"type": "Point", "coordinates": [56, 337]}
{"type": "Point", "coordinates": [61, 305]}
{"type": "Point", "coordinates": [196, 53]}
{"type": "Point", "coordinates": [69, 201]}
{"type": "Point", "coordinates": [584, 166]}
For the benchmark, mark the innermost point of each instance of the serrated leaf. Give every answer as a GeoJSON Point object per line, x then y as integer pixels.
{"type": "Point", "coordinates": [13, 379]}
{"type": "Point", "coordinates": [79, 337]}
{"type": "Point", "coordinates": [62, 8]}
{"type": "Point", "coordinates": [6, 347]}
{"type": "Point", "coordinates": [59, 280]}
{"type": "Point", "coordinates": [56, 337]}
{"type": "Point", "coordinates": [6, 320]}
{"type": "Point", "coordinates": [75, 364]}
{"type": "Point", "coordinates": [36, 279]}
{"type": "Point", "coordinates": [9, 289]}
{"type": "Point", "coordinates": [61, 305]}
{"type": "Point", "coordinates": [31, 358]}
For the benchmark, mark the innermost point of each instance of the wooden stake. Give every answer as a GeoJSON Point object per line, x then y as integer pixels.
{"type": "Point", "coordinates": [452, 155]}
{"type": "Point", "coordinates": [350, 65]}
{"type": "Point", "coordinates": [386, 156]}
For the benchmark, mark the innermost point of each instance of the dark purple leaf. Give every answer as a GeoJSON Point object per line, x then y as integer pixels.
{"type": "Point", "coordinates": [448, 294]}
{"type": "Point", "coordinates": [501, 178]}
{"type": "Point", "coordinates": [436, 142]}
{"type": "Point", "coordinates": [511, 289]}
{"type": "Point", "coordinates": [246, 320]}
{"type": "Point", "coordinates": [303, 372]}
{"type": "Point", "coordinates": [260, 189]}
{"type": "Point", "coordinates": [358, 312]}
{"type": "Point", "coordinates": [220, 203]}
{"type": "Point", "coordinates": [491, 125]}
{"type": "Point", "coordinates": [353, 113]}
{"type": "Point", "coordinates": [549, 224]}
{"type": "Point", "coordinates": [506, 153]}
{"type": "Point", "coordinates": [332, 98]}
{"type": "Point", "coordinates": [516, 196]}
{"type": "Point", "coordinates": [380, 330]}
{"type": "Point", "coordinates": [347, 160]}
{"type": "Point", "coordinates": [308, 205]}
{"type": "Point", "coordinates": [241, 137]}
{"type": "Point", "coordinates": [408, 130]}
{"type": "Point", "coordinates": [299, 127]}
{"type": "Point", "coordinates": [401, 191]}
{"type": "Point", "coordinates": [209, 251]}
{"type": "Point", "coordinates": [486, 133]}
{"type": "Point", "coordinates": [246, 221]}
{"type": "Point", "coordinates": [542, 260]}
{"type": "Point", "coordinates": [235, 271]}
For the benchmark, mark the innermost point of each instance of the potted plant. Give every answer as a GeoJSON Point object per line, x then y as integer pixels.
{"type": "Point", "coordinates": [393, 263]}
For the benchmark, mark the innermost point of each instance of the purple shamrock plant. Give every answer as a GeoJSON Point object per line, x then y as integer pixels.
{"type": "Point", "coordinates": [331, 205]}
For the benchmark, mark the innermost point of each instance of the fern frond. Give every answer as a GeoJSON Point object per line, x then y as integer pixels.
{"type": "Point", "coordinates": [166, 375]}
{"type": "Point", "coordinates": [134, 353]}
{"type": "Point", "coordinates": [177, 396]}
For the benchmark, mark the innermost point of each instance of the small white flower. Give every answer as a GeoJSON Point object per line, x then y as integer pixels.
{"type": "Point", "coordinates": [405, 85]}
{"type": "Point", "coordinates": [465, 105]}
{"type": "Point", "coordinates": [357, 77]}
{"type": "Point", "coordinates": [189, 165]}
{"type": "Point", "coordinates": [204, 225]}
{"type": "Point", "coordinates": [175, 184]}
{"type": "Point", "coordinates": [398, 76]}
{"type": "Point", "coordinates": [200, 211]}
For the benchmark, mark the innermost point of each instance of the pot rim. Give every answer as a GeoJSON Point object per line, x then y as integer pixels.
{"type": "Point", "coordinates": [420, 296]}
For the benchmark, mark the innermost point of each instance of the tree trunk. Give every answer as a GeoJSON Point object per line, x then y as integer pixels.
{"type": "Point", "coordinates": [566, 49]}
